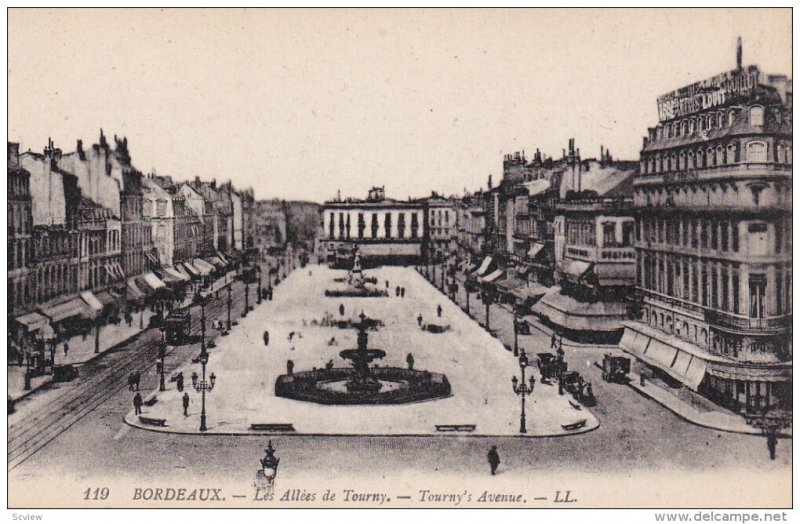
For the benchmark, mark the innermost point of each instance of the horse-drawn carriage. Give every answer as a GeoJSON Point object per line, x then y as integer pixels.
{"type": "Point", "coordinates": [574, 384]}
{"type": "Point", "coordinates": [616, 369]}
{"type": "Point", "coordinates": [550, 366]}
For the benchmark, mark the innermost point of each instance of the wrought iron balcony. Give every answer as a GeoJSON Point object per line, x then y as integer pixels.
{"type": "Point", "coordinates": [730, 320]}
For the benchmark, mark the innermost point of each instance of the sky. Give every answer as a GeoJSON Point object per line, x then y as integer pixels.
{"type": "Point", "coordinates": [301, 103]}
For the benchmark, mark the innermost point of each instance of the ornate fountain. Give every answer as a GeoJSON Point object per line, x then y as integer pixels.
{"type": "Point", "coordinates": [360, 383]}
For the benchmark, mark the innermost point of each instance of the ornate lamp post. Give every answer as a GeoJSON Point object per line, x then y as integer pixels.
{"type": "Point", "coordinates": [487, 296]}
{"type": "Point", "coordinates": [522, 389]}
{"type": "Point", "coordinates": [162, 354]}
{"type": "Point", "coordinates": [269, 464]}
{"type": "Point", "coordinates": [203, 386]}
{"type": "Point", "coordinates": [258, 294]}
{"type": "Point", "coordinates": [246, 297]}
{"type": "Point", "coordinates": [516, 330]}
{"type": "Point", "coordinates": [199, 300]}
{"type": "Point", "coordinates": [229, 303]}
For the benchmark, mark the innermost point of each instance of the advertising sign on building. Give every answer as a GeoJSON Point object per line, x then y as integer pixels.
{"type": "Point", "coordinates": [716, 91]}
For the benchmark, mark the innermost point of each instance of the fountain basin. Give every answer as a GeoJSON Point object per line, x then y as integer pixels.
{"type": "Point", "coordinates": [398, 386]}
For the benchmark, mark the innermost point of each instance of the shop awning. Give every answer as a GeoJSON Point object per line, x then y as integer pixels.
{"type": "Point", "coordinates": [484, 267]}
{"type": "Point", "coordinates": [659, 351]}
{"type": "Point", "coordinates": [153, 281]}
{"type": "Point", "coordinates": [106, 298]}
{"type": "Point", "coordinates": [217, 262]}
{"type": "Point", "coordinates": [73, 307]}
{"type": "Point", "coordinates": [576, 269]}
{"type": "Point", "coordinates": [32, 321]}
{"type": "Point", "coordinates": [535, 249]}
{"type": "Point", "coordinates": [167, 278]}
{"type": "Point", "coordinates": [133, 289]}
{"type": "Point", "coordinates": [491, 277]}
{"type": "Point", "coordinates": [92, 301]}
{"type": "Point", "coordinates": [174, 273]}
{"type": "Point", "coordinates": [222, 257]}
{"type": "Point", "coordinates": [203, 267]}
{"type": "Point", "coordinates": [152, 257]}
{"type": "Point", "coordinates": [189, 268]}
{"type": "Point", "coordinates": [511, 283]}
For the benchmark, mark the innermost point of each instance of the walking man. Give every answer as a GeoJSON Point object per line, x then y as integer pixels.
{"type": "Point", "coordinates": [341, 310]}
{"type": "Point", "coordinates": [266, 338]}
{"type": "Point", "coordinates": [772, 442]}
{"type": "Point", "coordinates": [136, 377]}
{"type": "Point", "coordinates": [397, 291]}
{"type": "Point", "coordinates": [494, 459]}
{"type": "Point", "coordinates": [186, 404]}
{"type": "Point", "coordinates": [439, 310]}
{"type": "Point", "coordinates": [66, 350]}
{"type": "Point", "coordinates": [403, 292]}
{"type": "Point", "coordinates": [179, 381]}
{"type": "Point", "coordinates": [419, 320]}
{"type": "Point", "coordinates": [553, 341]}
{"type": "Point", "coordinates": [410, 361]}
{"type": "Point", "coordinates": [137, 403]}
{"type": "Point", "coordinates": [131, 381]}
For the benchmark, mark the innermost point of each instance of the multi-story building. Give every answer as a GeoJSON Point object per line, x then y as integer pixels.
{"type": "Point", "coordinates": [594, 256]}
{"type": "Point", "coordinates": [157, 209]}
{"type": "Point", "coordinates": [471, 224]}
{"type": "Point", "coordinates": [442, 225]}
{"type": "Point", "coordinates": [21, 262]}
{"type": "Point", "coordinates": [237, 219]}
{"type": "Point", "coordinates": [100, 241]}
{"type": "Point", "coordinates": [385, 230]}
{"type": "Point", "coordinates": [248, 218]}
{"type": "Point", "coordinates": [204, 210]}
{"type": "Point", "coordinates": [269, 222]}
{"type": "Point", "coordinates": [187, 228]}
{"type": "Point", "coordinates": [713, 207]}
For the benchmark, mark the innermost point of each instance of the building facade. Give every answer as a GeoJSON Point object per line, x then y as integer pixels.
{"type": "Point", "coordinates": [385, 230]}
{"type": "Point", "coordinates": [158, 211]}
{"type": "Point", "coordinates": [442, 225]}
{"type": "Point", "coordinates": [714, 241]}
{"type": "Point", "coordinates": [21, 262]}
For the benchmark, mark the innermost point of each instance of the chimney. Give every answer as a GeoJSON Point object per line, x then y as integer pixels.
{"type": "Point", "coordinates": [739, 53]}
{"type": "Point", "coordinates": [197, 180]}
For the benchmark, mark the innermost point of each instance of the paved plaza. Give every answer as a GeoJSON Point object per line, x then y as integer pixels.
{"type": "Point", "coordinates": [477, 365]}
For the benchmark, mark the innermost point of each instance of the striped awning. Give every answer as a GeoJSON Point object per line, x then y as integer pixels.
{"type": "Point", "coordinates": [174, 273]}
{"type": "Point", "coordinates": [32, 321]}
{"type": "Point", "coordinates": [203, 267]}
{"type": "Point", "coordinates": [576, 269]}
{"type": "Point", "coordinates": [73, 307]}
{"type": "Point", "coordinates": [190, 269]}
{"type": "Point", "coordinates": [153, 281]}
{"type": "Point", "coordinates": [92, 301]}
{"type": "Point", "coordinates": [133, 289]}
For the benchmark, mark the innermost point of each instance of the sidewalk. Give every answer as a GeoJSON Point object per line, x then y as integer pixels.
{"type": "Point", "coordinates": [81, 350]}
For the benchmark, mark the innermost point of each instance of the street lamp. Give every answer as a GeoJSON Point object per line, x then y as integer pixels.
{"type": "Point", "coordinates": [522, 389]}
{"type": "Point", "coordinates": [269, 463]}
{"type": "Point", "coordinates": [516, 330]}
{"type": "Point", "coordinates": [229, 302]}
{"type": "Point", "coordinates": [487, 295]}
{"type": "Point", "coordinates": [246, 296]}
{"type": "Point", "coordinates": [258, 294]}
{"type": "Point", "coordinates": [203, 386]}
{"type": "Point", "coordinates": [199, 300]}
{"type": "Point", "coordinates": [162, 354]}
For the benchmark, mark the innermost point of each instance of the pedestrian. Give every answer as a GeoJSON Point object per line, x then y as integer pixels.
{"type": "Point", "coordinates": [266, 338]}
{"type": "Point", "coordinates": [137, 404]}
{"type": "Point", "coordinates": [186, 404]}
{"type": "Point", "coordinates": [410, 361]}
{"type": "Point", "coordinates": [403, 292]}
{"type": "Point", "coordinates": [494, 459]}
{"type": "Point", "coordinates": [341, 310]}
{"type": "Point", "coordinates": [641, 380]}
{"type": "Point", "coordinates": [289, 367]}
{"type": "Point", "coordinates": [179, 381]}
{"type": "Point", "coordinates": [772, 442]}
{"type": "Point", "coordinates": [131, 381]}
{"type": "Point", "coordinates": [136, 377]}
{"type": "Point", "coordinates": [419, 320]}
{"type": "Point", "coordinates": [159, 366]}
{"type": "Point", "coordinates": [291, 336]}
{"type": "Point", "coordinates": [329, 366]}
{"type": "Point", "coordinates": [66, 349]}
{"type": "Point", "coordinates": [387, 284]}
{"type": "Point", "coordinates": [439, 310]}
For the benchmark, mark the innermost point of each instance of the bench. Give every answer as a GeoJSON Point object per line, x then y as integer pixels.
{"type": "Point", "coordinates": [574, 425]}
{"type": "Point", "coordinates": [272, 427]}
{"type": "Point", "coordinates": [160, 422]}
{"type": "Point", "coordinates": [463, 428]}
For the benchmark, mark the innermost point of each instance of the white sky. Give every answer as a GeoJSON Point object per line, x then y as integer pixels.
{"type": "Point", "coordinates": [300, 103]}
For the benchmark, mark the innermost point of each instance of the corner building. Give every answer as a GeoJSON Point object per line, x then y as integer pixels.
{"type": "Point", "coordinates": [713, 203]}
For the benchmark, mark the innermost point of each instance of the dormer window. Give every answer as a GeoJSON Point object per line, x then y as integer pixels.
{"type": "Point", "coordinates": [757, 116]}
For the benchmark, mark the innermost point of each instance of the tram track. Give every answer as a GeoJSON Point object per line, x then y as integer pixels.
{"type": "Point", "coordinates": [41, 427]}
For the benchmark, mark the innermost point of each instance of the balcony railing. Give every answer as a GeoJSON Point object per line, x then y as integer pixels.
{"type": "Point", "coordinates": [688, 175]}
{"type": "Point", "coordinates": [741, 322]}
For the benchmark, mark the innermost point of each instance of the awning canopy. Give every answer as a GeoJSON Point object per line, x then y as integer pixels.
{"type": "Point", "coordinates": [153, 281]}
{"type": "Point", "coordinates": [118, 269]}
{"type": "Point", "coordinates": [183, 272]}
{"type": "Point", "coordinates": [222, 257]}
{"type": "Point", "coordinates": [133, 289]}
{"type": "Point", "coordinates": [203, 267]}
{"type": "Point", "coordinates": [32, 321]}
{"type": "Point", "coordinates": [576, 269]}
{"type": "Point", "coordinates": [106, 298]}
{"type": "Point", "coordinates": [491, 277]}
{"type": "Point", "coordinates": [190, 269]}
{"type": "Point", "coordinates": [682, 365]}
{"type": "Point", "coordinates": [92, 301]}
{"type": "Point", "coordinates": [73, 307]}
{"type": "Point", "coordinates": [484, 267]}
{"type": "Point", "coordinates": [174, 273]}
{"type": "Point", "coordinates": [535, 249]}
{"type": "Point", "coordinates": [152, 257]}
{"type": "Point", "coordinates": [217, 262]}
{"type": "Point", "coordinates": [511, 283]}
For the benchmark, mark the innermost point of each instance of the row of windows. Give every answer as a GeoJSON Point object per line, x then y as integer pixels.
{"type": "Point", "coordinates": [19, 218]}
{"type": "Point", "coordinates": [715, 155]}
{"type": "Point", "coordinates": [18, 186]}
{"type": "Point", "coordinates": [717, 235]}
{"type": "Point", "coordinates": [344, 225]}
{"type": "Point", "coordinates": [706, 122]}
